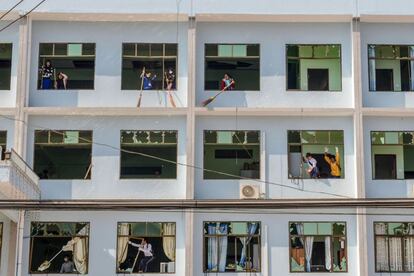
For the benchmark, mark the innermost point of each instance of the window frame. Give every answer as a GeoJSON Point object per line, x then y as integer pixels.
{"type": "Point", "coordinates": [45, 57]}
{"type": "Point", "coordinates": [149, 58]}
{"type": "Point", "coordinates": [4, 148]}
{"type": "Point", "coordinates": [10, 44]}
{"type": "Point", "coordinates": [402, 144]}
{"type": "Point", "coordinates": [150, 179]}
{"type": "Point", "coordinates": [87, 223]}
{"type": "Point", "coordinates": [117, 271]}
{"type": "Point", "coordinates": [395, 58]}
{"type": "Point", "coordinates": [331, 236]}
{"type": "Point", "coordinates": [287, 58]}
{"type": "Point", "coordinates": [387, 236]}
{"type": "Point", "coordinates": [258, 236]}
{"type": "Point", "coordinates": [1, 240]}
{"type": "Point", "coordinates": [302, 153]}
{"type": "Point", "coordinates": [205, 57]}
{"type": "Point", "coordinates": [63, 131]}
{"type": "Point", "coordinates": [253, 144]}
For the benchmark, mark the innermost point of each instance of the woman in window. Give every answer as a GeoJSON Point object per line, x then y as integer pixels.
{"type": "Point", "coordinates": [147, 79]}
{"type": "Point", "coordinates": [313, 169]}
{"type": "Point", "coordinates": [334, 163]}
{"type": "Point", "coordinates": [47, 72]}
{"type": "Point", "coordinates": [227, 83]}
{"type": "Point", "coordinates": [61, 81]}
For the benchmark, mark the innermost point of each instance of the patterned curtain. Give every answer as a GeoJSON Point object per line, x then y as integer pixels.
{"type": "Point", "coordinates": [382, 247]}
{"type": "Point", "coordinates": [395, 254]}
{"type": "Point", "coordinates": [212, 248]}
{"type": "Point", "coordinates": [123, 243]}
{"type": "Point", "coordinates": [168, 243]}
{"type": "Point", "coordinates": [328, 258]}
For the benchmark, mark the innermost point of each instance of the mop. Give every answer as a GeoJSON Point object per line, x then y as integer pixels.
{"type": "Point", "coordinates": [209, 100]}
{"type": "Point", "coordinates": [142, 84]}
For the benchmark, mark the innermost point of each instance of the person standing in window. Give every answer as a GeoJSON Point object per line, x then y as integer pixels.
{"type": "Point", "coordinates": [227, 83]}
{"type": "Point", "coordinates": [47, 72]}
{"type": "Point", "coordinates": [170, 79]}
{"type": "Point", "coordinates": [61, 81]}
{"type": "Point", "coordinates": [334, 162]}
{"type": "Point", "coordinates": [67, 266]}
{"type": "Point", "coordinates": [313, 169]}
{"type": "Point", "coordinates": [147, 79]}
{"type": "Point", "coordinates": [146, 248]}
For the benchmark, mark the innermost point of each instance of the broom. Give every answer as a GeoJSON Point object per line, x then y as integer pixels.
{"type": "Point", "coordinates": [209, 100]}
{"type": "Point", "coordinates": [142, 84]}
{"type": "Point", "coordinates": [169, 91]}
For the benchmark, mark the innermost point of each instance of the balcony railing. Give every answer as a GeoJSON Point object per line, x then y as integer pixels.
{"type": "Point", "coordinates": [17, 180]}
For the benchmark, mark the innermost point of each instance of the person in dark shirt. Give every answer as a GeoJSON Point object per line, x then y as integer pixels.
{"type": "Point", "coordinates": [147, 79]}
{"type": "Point", "coordinates": [67, 266]}
{"type": "Point", "coordinates": [170, 79]}
{"type": "Point", "coordinates": [47, 72]}
{"type": "Point", "coordinates": [61, 81]}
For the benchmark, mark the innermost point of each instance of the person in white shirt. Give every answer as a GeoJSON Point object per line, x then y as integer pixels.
{"type": "Point", "coordinates": [313, 169]}
{"type": "Point", "coordinates": [146, 248]}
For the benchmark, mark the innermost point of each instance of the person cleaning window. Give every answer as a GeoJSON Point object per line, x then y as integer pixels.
{"type": "Point", "coordinates": [334, 162]}
{"type": "Point", "coordinates": [147, 79]}
{"type": "Point", "coordinates": [227, 83]}
{"type": "Point", "coordinates": [313, 169]}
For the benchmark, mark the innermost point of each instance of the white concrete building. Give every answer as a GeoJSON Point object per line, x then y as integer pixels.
{"type": "Point", "coordinates": [112, 165]}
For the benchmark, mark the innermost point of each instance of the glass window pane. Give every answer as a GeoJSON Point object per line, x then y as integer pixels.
{"type": "Point", "coordinates": [391, 138]}
{"type": "Point", "coordinates": [143, 49]}
{"type": "Point", "coordinates": [224, 137]}
{"type": "Point", "coordinates": [292, 50]}
{"type": "Point", "coordinates": [75, 50]}
{"type": "Point", "coordinates": [171, 49]}
{"type": "Point", "coordinates": [154, 229]}
{"type": "Point", "coordinates": [210, 136]}
{"type": "Point", "coordinates": [378, 138]}
{"type": "Point", "coordinates": [61, 49]}
{"type": "Point", "coordinates": [56, 136]}
{"type": "Point", "coordinates": [211, 50]}
{"type": "Point", "coordinates": [324, 228]}
{"type": "Point", "coordinates": [239, 137]}
{"type": "Point", "coordinates": [384, 51]}
{"type": "Point", "coordinates": [46, 49]}
{"type": "Point", "coordinates": [225, 50]}
{"type": "Point", "coordinates": [294, 136]}
{"type": "Point", "coordinates": [322, 137]}
{"type": "Point", "coordinates": [339, 229]}
{"type": "Point", "coordinates": [41, 136]}
{"type": "Point", "coordinates": [139, 229]}
{"type": "Point", "coordinates": [308, 137]}
{"type": "Point", "coordinates": [396, 228]}
{"type": "Point", "coordinates": [239, 228]}
{"type": "Point", "coordinates": [310, 228]}
{"type": "Point", "coordinates": [239, 50]}
{"type": "Point", "coordinates": [156, 137]}
{"type": "Point", "coordinates": [336, 137]}
{"type": "Point", "coordinates": [170, 137]}
{"type": "Point", "coordinates": [88, 49]}
{"type": "Point", "coordinates": [157, 50]}
{"type": "Point", "coordinates": [128, 49]}
{"type": "Point", "coordinates": [71, 137]}
{"type": "Point", "coordinates": [306, 51]}
{"type": "Point", "coordinates": [253, 137]}
{"type": "Point", "coordinates": [408, 138]}
{"type": "Point", "coordinates": [253, 50]}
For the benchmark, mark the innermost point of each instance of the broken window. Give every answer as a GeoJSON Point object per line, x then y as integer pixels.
{"type": "Point", "coordinates": [231, 154]}
{"type": "Point", "coordinates": [59, 247]}
{"type": "Point", "coordinates": [146, 247]}
{"type": "Point", "coordinates": [148, 154]}
{"type": "Point", "coordinates": [232, 247]}
{"type": "Point", "coordinates": [63, 154]}
{"type": "Point", "coordinates": [5, 65]}
{"type": "Point", "coordinates": [392, 154]}
{"type": "Point", "coordinates": [318, 247]}
{"type": "Point", "coordinates": [314, 67]}
{"type": "Point", "coordinates": [66, 66]}
{"type": "Point", "coordinates": [316, 154]}
{"type": "Point", "coordinates": [157, 60]}
{"type": "Point", "coordinates": [3, 143]}
{"type": "Point", "coordinates": [241, 62]}
{"type": "Point", "coordinates": [391, 67]}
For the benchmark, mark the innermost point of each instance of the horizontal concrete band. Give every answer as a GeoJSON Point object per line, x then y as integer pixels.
{"type": "Point", "coordinates": [205, 204]}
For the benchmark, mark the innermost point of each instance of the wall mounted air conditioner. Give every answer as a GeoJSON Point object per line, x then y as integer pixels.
{"type": "Point", "coordinates": [249, 191]}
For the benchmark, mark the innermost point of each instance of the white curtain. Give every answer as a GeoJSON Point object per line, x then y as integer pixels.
{"type": "Point", "coordinates": [409, 249]}
{"type": "Point", "coordinates": [411, 48]}
{"type": "Point", "coordinates": [168, 243]}
{"type": "Point", "coordinates": [80, 255]}
{"type": "Point", "coordinates": [223, 241]}
{"type": "Point", "coordinates": [122, 249]}
{"type": "Point", "coordinates": [212, 248]}
{"type": "Point", "coordinates": [381, 247]}
{"type": "Point", "coordinates": [328, 257]}
{"type": "Point", "coordinates": [308, 252]}
{"type": "Point", "coordinates": [372, 69]}
{"type": "Point", "coordinates": [395, 245]}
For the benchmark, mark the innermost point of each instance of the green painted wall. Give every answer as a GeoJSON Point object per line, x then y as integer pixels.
{"type": "Point", "coordinates": [397, 150]}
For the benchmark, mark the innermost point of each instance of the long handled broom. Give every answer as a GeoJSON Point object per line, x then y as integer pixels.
{"type": "Point", "coordinates": [209, 100]}
{"type": "Point", "coordinates": [142, 84]}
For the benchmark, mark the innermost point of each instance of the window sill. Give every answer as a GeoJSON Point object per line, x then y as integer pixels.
{"type": "Point", "coordinates": [315, 91]}
{"type": "Point", "coordinates": [379, 91]}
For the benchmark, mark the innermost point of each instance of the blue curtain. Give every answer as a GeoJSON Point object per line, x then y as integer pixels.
{"type": "Point", "coordinates": [212, 248]}
{"type": "Point", "coordinates": [251, 229]}
{"type": "Point", "coordinates": [223, 241]}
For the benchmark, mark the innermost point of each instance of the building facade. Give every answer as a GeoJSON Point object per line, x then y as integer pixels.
{"type": "Point", "coordinates": [112, 163]}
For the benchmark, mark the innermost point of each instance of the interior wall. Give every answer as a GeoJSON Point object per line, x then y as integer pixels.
{"type": "Point", "coordinates": [334, 67]}
{"type": "Point", "coordinates": [397, 150]}
{"type": "Point", "coordinates": [395, 66]}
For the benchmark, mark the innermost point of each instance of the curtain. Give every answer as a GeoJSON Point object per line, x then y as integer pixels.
{"type": "Point", "coordinates": [168, 243]}
{"type": "Point", "coordinates": [223, 241]}
{"type": "Point", "coordinates": [80, 253]}
{"type": "Point", "coordinates": [308, 252]}
{"type": "Point", "coordinates": [328, 257]}
{"type": "Point", "coordinates": [372, 70]}
{"type": "Point", "coordinates": [409, 249]}
{"type": "Point", "coordinates": [212, 248]}
{"type": "Point", "coordinates": [381, 247]}
{"type": "Point", "coordinates": [411, 50]}
{"type": "Point", "coordinates": [251, 229]}
{"type": "Point", "coordinates": [395, 254]}
{"type": "Point", "coordinates": [123, 243]}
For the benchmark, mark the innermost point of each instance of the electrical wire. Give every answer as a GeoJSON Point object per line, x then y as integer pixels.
{"type": "Point", "coordinates": [178, 163]}
{"type": "Point", "coordinates": [20, 17]}
{"type": "Point", "coordinates": [11, 9]}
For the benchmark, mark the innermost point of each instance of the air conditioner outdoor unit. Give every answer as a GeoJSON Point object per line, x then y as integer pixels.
{"type": "Point", "coordinates": [249, 191]}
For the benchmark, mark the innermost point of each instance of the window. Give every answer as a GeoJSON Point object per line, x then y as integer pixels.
{"type": "Point", "coordinates": [314, 67]}
{"type": "Point", "coordinates": [391, 67]}
{"type": "Point", "coordinates": [158, 59]}
{"type": "Point", "coordinates": [234, 154]}
{"type": "Point", "coordinates": [155, 157]}
{"type": "Point", "coordinates": [63, 154]}
{"type": "Point", "coordinates": [241, 62]}
{"type": "Point", "coordinates": [316, 154]}
{"type": "Point", "coordinates": [59, 247]}
{"type": "Point", "coordinates": [318, 247]}
{"type": "Point", "coordinates": [5, 65]}
{"type": "Point", "coordinates": [394, 246]}
{"type": "Point", "coordinates": [146, 247]}
{"type": "Point", "coordinates": [392, 154]}
{"type": "Point", "coordinates": [232, 247]}
{"type": "Point", "coordinates": [3, 143]}
{"type": "Point", "coordinates": [66, 66]}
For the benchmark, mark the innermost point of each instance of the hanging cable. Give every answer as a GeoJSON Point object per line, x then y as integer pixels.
{"type": "Point", "coordinates": [10, 10]}
{"type": "Point", "coordinates": [22, 16]}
